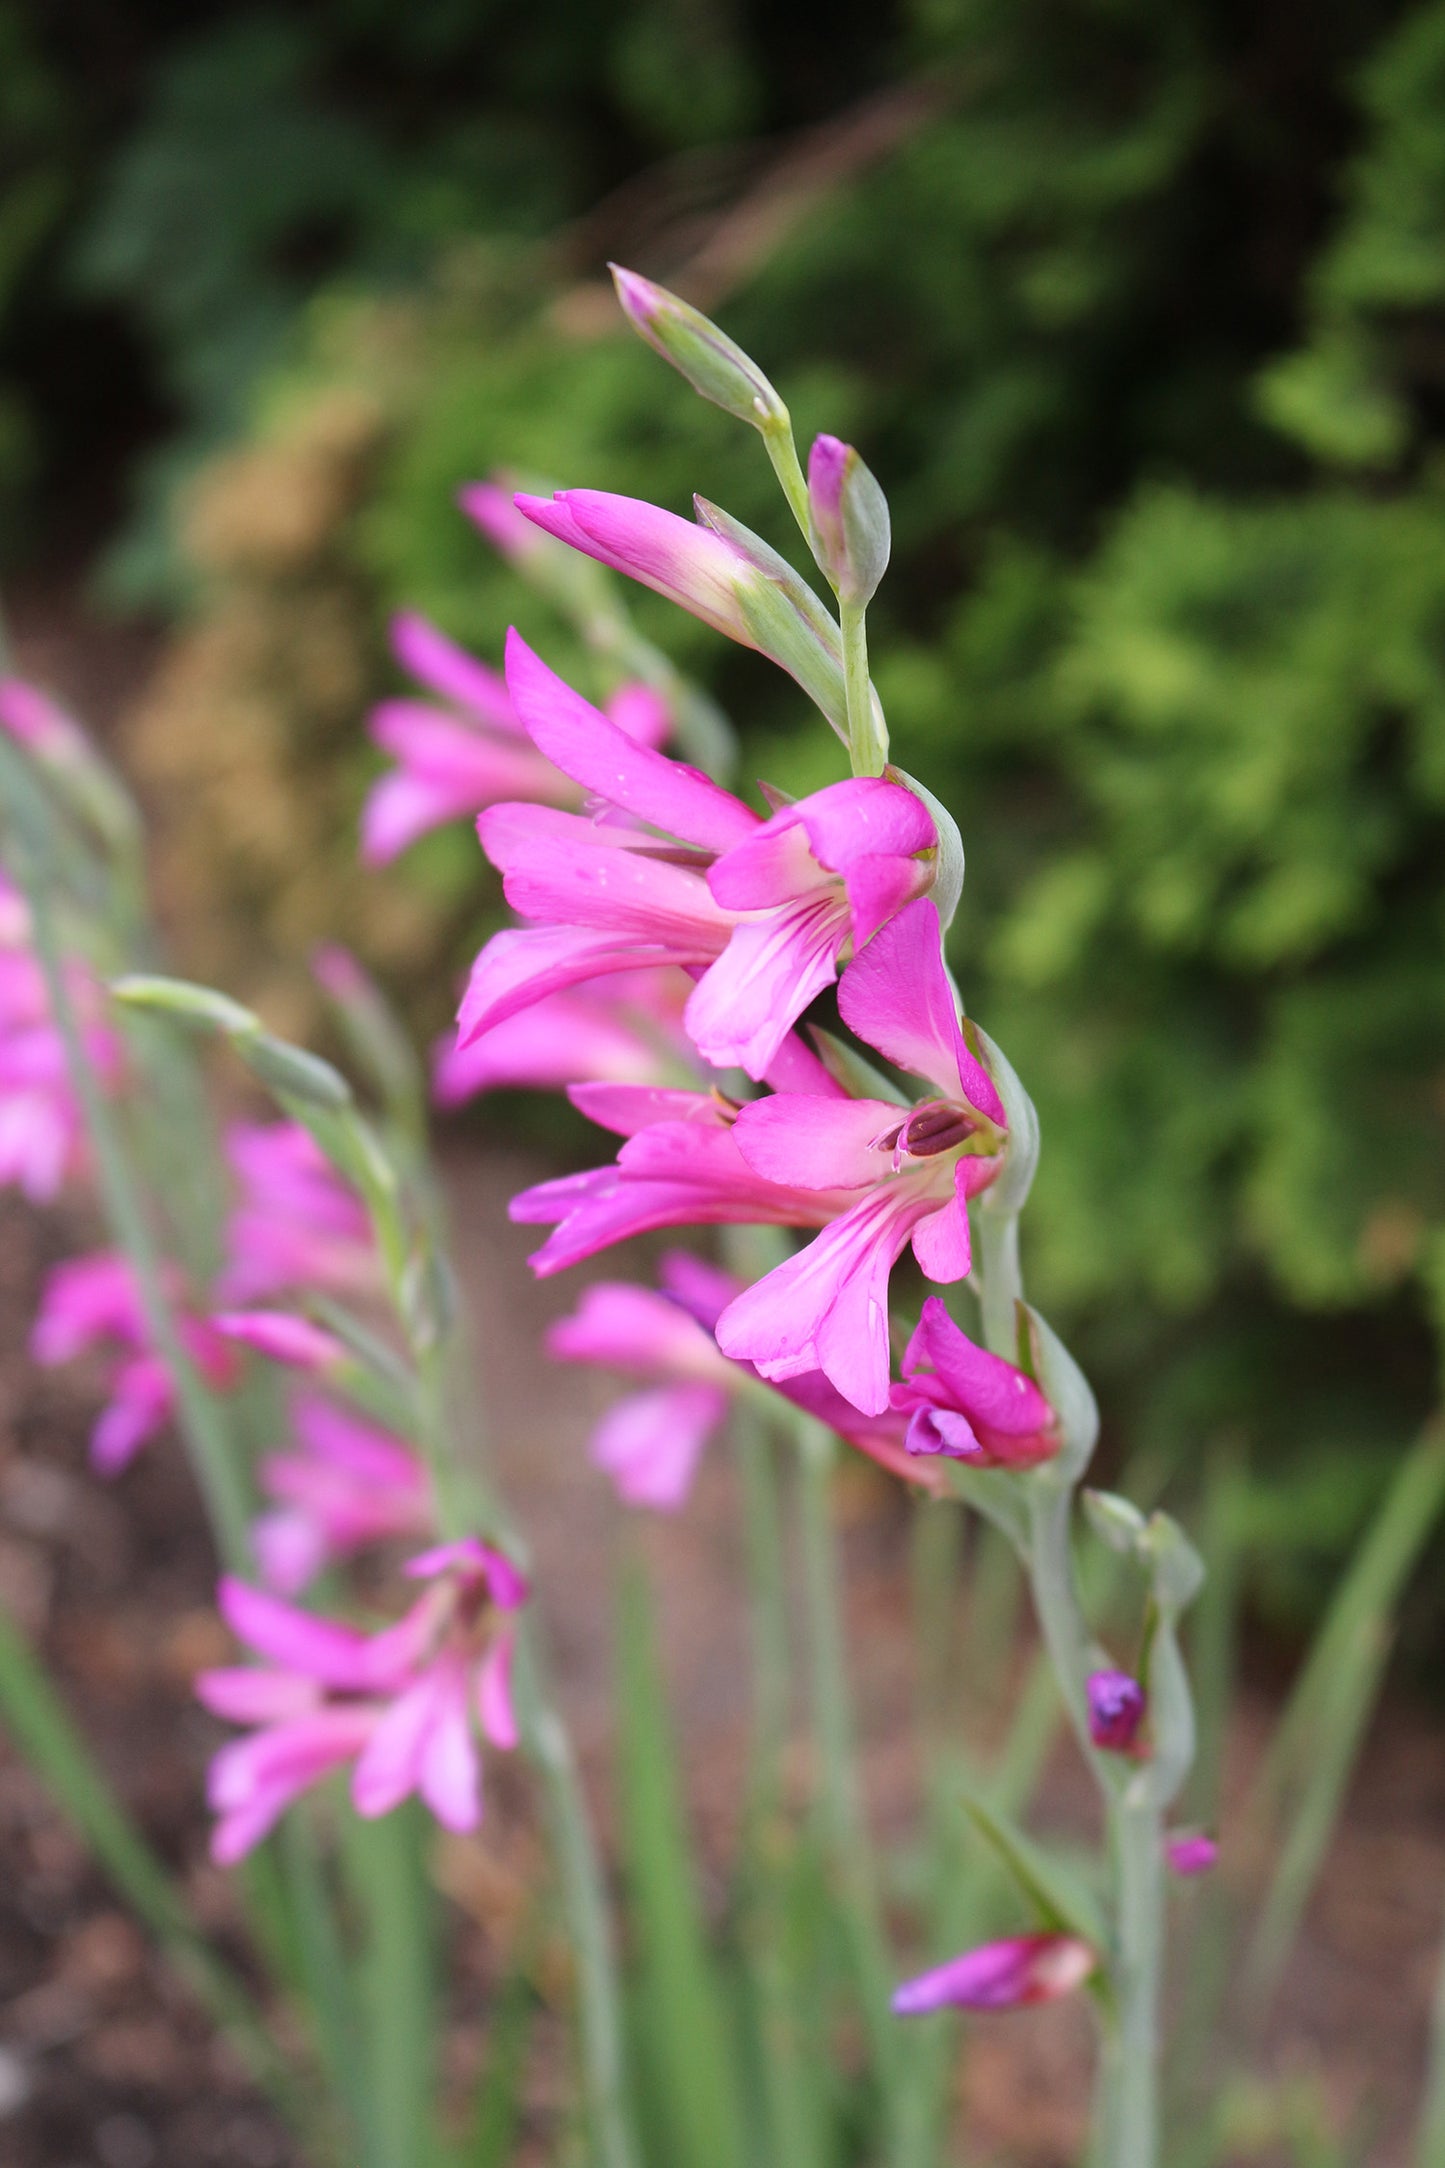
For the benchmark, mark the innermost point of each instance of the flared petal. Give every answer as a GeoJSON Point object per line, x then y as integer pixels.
{"type": "Point", "coordinates": [827, 1308]}
{"type": "Point", "coordinates": [746, 1003]}
{"type": "Point", "coordinates": [438, 663]}
{"type": "Point", "coordinates": [496, 1712]}
{"type": "Point", "coordinates": [333, 1655]}
{"type": "Point", "coordinates": [835, 1145]}
{"type": "Point", "coordinates": [527, 964]}
{"type": "Point", "coordinates": [895, 994]}
{"type": "Point", "coordinates": [597, 753]}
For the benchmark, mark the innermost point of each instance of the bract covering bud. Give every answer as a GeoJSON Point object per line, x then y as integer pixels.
{"type": "Point", "coordinates": [1114, 1520]}
{"type": "Point", "coordinates": [713, 364]}
{"type": "Point", "coordinates": [851, 535]}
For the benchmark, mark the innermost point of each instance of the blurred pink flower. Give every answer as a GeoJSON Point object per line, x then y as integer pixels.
{"type": "Point", "coordinates": [472, 752]}
{"type": "Point", "coordinates": [624, 1030]}
{"type": "Point", "coordinates": [403, 1705]}
{"type": "Point", "coordinates": [343, 1484]}
{"type": "Point", "coordinates": [93, 1301]}
{"type": "Point", "coordinates": [1189, 1852]}
{"type": "Point", "coordinates": [297, 1225]}
{"type": "Point", "coordinates": [650, 1442]}
{"type": "Point", "coordinates": [42, 1131]}
{"type": "Point", "coordinates": [283, 1336]}
{"type": "Point", "coordinates": [1004, 1975]}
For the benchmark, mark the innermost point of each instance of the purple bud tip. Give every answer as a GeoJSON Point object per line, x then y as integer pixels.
{"type": "Point", "coordinates": [1116, 1710]}
{"type": "Point", "coordinates": [641, 300]}
{"type": "Point", "coordinates": [827, 464]}
{"type": "Point", "coordinates": [1190, 1853]}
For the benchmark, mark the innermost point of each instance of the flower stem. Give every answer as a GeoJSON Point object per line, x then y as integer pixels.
{"type": "Point", "coordinates": [867, 739]}
{"type": "Point", "coordinates": [842, 1807]}
{"type": "Point", "coordinates": [777, 436]}
{"type": "Point", "coordinates": [210, 1447]}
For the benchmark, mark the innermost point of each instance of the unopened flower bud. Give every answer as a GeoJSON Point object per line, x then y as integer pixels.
{"type": "Point", "coordinates": [1189, 1852]}
{"type": "Point", "coordinates": [713, 364]}
{"type": "Point", "coordinates": [1000, 1976]}
{"type": "Point", "coordinates": [1116, 1711]}
{"type": "Point", "coordinates": [851, 535]}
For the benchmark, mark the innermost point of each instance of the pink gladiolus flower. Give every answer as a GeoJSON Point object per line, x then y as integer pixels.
{"type": "Point", "coordinates": [624, 1030]}
{"type": "Point", "coordinates": [42, 1131]}
{"type": "Point", "coordinates": [344, 1484]}
{"type": "Point", "coordinates": [1190, 1852]}
{"type": "Point", "coordinates": [35, 721]}
{"type": "Point", "coordinates": [94, 1302]}
{"type": "Point", "coordinates": [1003, 1975]}
{"type": "Point", "coordinates": [492, 507]}
{"type": "Point", "coordinates": [298, 1225]}
{"type": "Point", "coordinates": [403, 1705]}
{"type": "Point", "coordinates": [1117, 1704]}
{"type": "Point", "coordinates": [969, 1405]}
{"type": "Point", "coordinates": [761, 910]}
{"type": "Point", "coordinates": [908, 1172]}
{"type": "Point", "coordinates": [283, 1336]}
{"type": "Point", "coordinates": [473, 752]}
{"type": "Point", "coordinates": [650, 1443]}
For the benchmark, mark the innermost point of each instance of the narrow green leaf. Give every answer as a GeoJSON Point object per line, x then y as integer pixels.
{"type": "Point", "coordinates": [490, 2141]}
{"type": "Point", "coordinates": [685, 2040]}
{"type": "Point", "coordinates": [1064, 1903]}
{"type": "Point", "coordinates": [389, 1891]}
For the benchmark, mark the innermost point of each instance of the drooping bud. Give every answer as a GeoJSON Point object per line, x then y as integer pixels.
{"type": "Point", "coordinates": [1003, 1975]}
{"type": "Point", "coordinates": [1189, 1852]}
{"type": "Point", "coordinates": [1116, 1711]}
{"type": "Point", "coordinates": [714, 365]}
{"type": "Point", "coordinates": [848, 514]}
{"type": "Point", "coordinates": [285, 1337]}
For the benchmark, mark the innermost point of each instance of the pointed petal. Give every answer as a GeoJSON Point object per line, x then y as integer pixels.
{"type": "Point", "coordinates": [496, 1712]}
{"type": "Point", "coordinates": [812, 1144]}
{"type": "Point", "coordinates": [650, 1443]}
{"type": "Point", "coordinates": [994, 1393]}
{"type": "Point", "coordinates": [435, 661]}
{"type": "Point", "coordinates": [746, 1003]}
{"type": "Point", "coordinates": [318, 1648]}
{"type": "Point", "coordinates": [895, 994]}
{"type": "Point", "coordinates": [390, 1764]}
{"type": "Point", "coordinates": [525, 964]}
{"type": "Point", "coordinates": [450, 1774]}
{"type": "Point", "coordinates": [941, 1242]}
{"type": "Point", "coordinates": [582, 741]}
{"type": "Point", "coordinates": [564, 870]}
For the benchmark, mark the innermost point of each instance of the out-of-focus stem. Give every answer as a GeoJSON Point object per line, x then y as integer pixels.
{"type": "Point", "coordinates": [867, 746]}
{"type": "Point", "coordinates": [209, 1445]}
{"type": "Point", "coordinates": [777, 436]}
{"type": "Point", "coordinates": [762, 1528]}
{"type": "Point", "coordinates": [841, 1802]}
{"type": "Point", "coordinates": [584, 1902]}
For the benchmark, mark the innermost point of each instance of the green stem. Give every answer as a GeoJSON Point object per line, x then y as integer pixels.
{"type": "Point", "coordinates": [840, 1799]}
{"type": "Point", "coordinates": [867, 741]}
{"type": "Point", "coordinates": [777, 437]}
{"type": "Point", "coordinates": [1131, 2056]}
{"type": "Point", "coordinates": [762, 1529]}
{"type": "Point", "coordinates": [205, 1432]}
{"type": "Point", "coordinates": [585, 1903]}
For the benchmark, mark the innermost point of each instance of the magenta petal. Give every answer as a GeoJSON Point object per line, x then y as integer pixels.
{"type": "Point", "coordinates": [1000, 1976]}
{"type": "Point", "coordinates": [1190, 1853]}
{"type": "Point", "coordinates": [450, 1774]}
{"type": "Point", "coordinates": [994, 1392]}
{"type": "Point", "coordinates": [895, 994]}
{"type": "Point", "coordinates": [650, 1443]}
{"type": "Point", "coordinates": [332, 1654]}
{"type": "Point", "coordinates": [943, 1430]}
{"type": "Point", "coordinates": [1116, 1703]}
{"type": "Point", "coordinates": [627, 1109]}
{"type": "Point", "coordinates": [639, 1332]}
{"type": "Point", "coordinates": [245, 1694]}
{"type": "Point", "coordinates": [746, 1003]}
{"type": "Point", "coordinates": [525, 964]}
{"type": "Point", "coordinates": [690, 565]}
{"type": "Point", "coordinates": [142, 1398]}
{"type": "Point", "coordinates": [582, 741]}
{"type": "Point", "coordinates": [941, 1242]}
{"type": "Point", "coordinates": [832, 1144]}
{"type": "Point", "coordinates": [865, 818]}
{"type": "Point", "coordinates": [559, 868]}
{"type": "Point", "coordinates": [434, 660]}
{"type": "Point", "coordinates": [390, 1764]}
{"type": "Point", "coordinates": [496, 1711]}
{"type": "Point", "coordinates": [827, 1308]}
{"type": "Point", "coordinates": [773, 866]}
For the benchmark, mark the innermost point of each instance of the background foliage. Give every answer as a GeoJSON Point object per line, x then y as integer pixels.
{"type": "Point", "coordinates": [1134, 307]}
